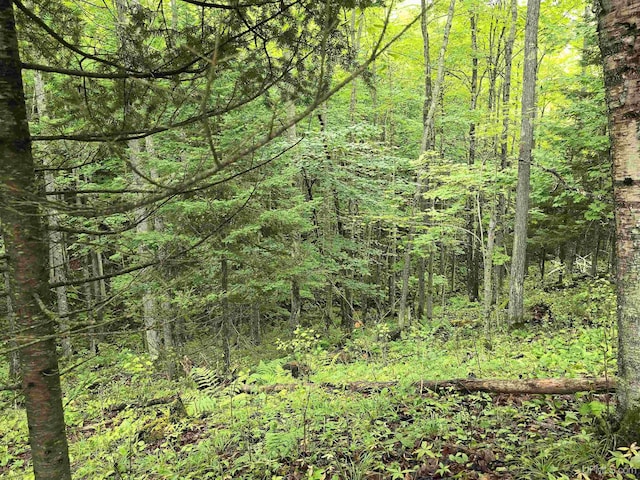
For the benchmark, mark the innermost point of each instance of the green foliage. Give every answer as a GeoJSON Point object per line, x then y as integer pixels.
{"type": "Point", "coordinates": [322, 433]}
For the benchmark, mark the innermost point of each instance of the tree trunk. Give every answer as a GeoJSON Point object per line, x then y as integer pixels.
{"type": "Point", "coordinates": [518, 256]}
{"type": "Point", "coordinates": [356, 34]}
{"type": "Point", "coordinates": [256, 329]}
{"type": "Point", "coordinates": [569, 261]}
{"type": "Point", "coordinates": [57, 250]}
{"type": "Point", "coordinates": [499, 271]}
{"type": "Point", "coordinates": [99, 293]}
{"type": "Point", "coordinates": [532, 386]}
{"type": "Point", "coordinates": [403, 318]}
{"type": "Point", "coordinates": [391, 262]}
{"type": "Point", "coordinates": [596, 251]}
{"type": "Point", "coordinates": [430, 287]}
{"type": "Point", "coordinates": [488, 271]}
{"type": "Point", "coordinates": [26, 247]}
{"type": "Point", "coordinates": [149, 304]}
{"type": "Point", "coordinates": [226, 315]}
{"type": "Point", "coordinates": [618, 28]}
{"type": "Point", "coordinates": [296, 304]}
{"type": "Point", "coordinates": [472, 254]}
{"type": "Point", "coordinates": [427, 136]}
{"type": "Point", "coordinates": [421, 292]}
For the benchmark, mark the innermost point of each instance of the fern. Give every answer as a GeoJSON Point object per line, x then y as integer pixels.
{"type": "Point", "coordinates": [265, 373]}
{"type": "Point", "coordinates": [197, 404]}
{"type": "Point", "coordinates": [281, 444]}
{"type": "Point", "coordinates": [206, 380]}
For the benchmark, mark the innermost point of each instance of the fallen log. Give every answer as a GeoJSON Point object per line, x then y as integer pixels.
{"type": "Point", "coordinates": [540, 386]}
{"type": "Point", "coordinates": [149, 403]}
{"type": "Point", "coordinates": [536, 386]}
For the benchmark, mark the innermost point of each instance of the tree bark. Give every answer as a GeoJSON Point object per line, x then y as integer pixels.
{"type": "Point", "coordinates": [421, 288]}
{"type": "Point", "coordinates": [430, 286]}
{"type": "Point", "coordinates": [26, 246]}
{"type": "Point", "coordinates": [57, 249]}
{"type": "Point", "coordinates": [596, 251]}
{"type": "Point", "coordinates": [488, 270]}
{"type": "Point", "coordinates": [149, 304]}
{"type": "Point", "coordinates": [518, 257]}
{"type": "Point", "coordinates": [499, 271]}
{"type": "Point", "coordinates": [472, 254]}
{"type": "Point", "coordinates": [14, 360]}
{"type": "Point", "coordinates": [296, 300]}
{"type": "Point", "coordinates": [618, 24]}
{"type": "Point", "coordinates": [533, 386]}
{"type": "Point", "coordinates": [569, 261]}
{"type": "Point", "coordinates": [226, 315]}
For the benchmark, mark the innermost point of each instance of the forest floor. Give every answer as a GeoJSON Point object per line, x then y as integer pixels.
{"type": "Point", "coordinates": [206, 426]}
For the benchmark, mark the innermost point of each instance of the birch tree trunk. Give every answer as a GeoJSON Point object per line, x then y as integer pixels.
{"type": "Point", "coordinates": [618, 26]}
{"type": "Point", "coordinates": [26, 246]}
{"type": "Point", "coordinates": [518, 256]}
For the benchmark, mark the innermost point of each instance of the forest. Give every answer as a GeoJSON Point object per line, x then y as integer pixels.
{"type": "Point", "coordinates": [291, 239]}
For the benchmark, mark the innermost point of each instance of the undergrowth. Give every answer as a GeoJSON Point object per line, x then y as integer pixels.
{"type": "Point", "coordinates": [308, 431]}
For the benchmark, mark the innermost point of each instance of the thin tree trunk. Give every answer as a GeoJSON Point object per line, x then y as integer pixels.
{"type": "Point", "coordinates": [296, 300]}
{"type": "Point", "coordinates": [430, 291]}
{"type": "Point", "coordinates": [99, 291]}
{"type": "Point", "coordinates": [569, 261]}
{"type": "Point", "coordinates": [256, 329]}
{"type": "Point", "coordinates": [421, 287]}
{"type": "Point", "coordinates": [88, 292]}
{"type": "Point", "coordinates": [488, 270]}
{"type": "Point", "coordinates": [499, 270]}
{"type": "Point", "coordinates": [617, 25]}
{"type": "Point", "coordinates": [149, 304]}
{"type": "Point", "coordinates": [443, 299]}
{"type": "Point", "coordinates": [427, 135]}
{"type": "Point", "coordinates": [226, 315]}
{"type": "Point", "coordinates": [328, 313]}
{"type": "Point", "coordinates": [356, 34]}
{"type": "Point", "coordinates": [296, 304]}
{"type": "Point", "coordinates": [391, 261]}
{"type": "Point", "coordinates": [26, 247]}
{"type": "Point", "coordinates": [57, 250]}
{"type": "Point", "coordinates": [472, 254]}
{"type": "Point", "coordinates": [596, 251]}
{"type": "Point", "coordinates": [518, 256]}
{"type": "Point", "coordinates": [165, 313]}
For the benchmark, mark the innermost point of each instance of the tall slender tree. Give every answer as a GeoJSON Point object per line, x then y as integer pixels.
{"type": "Point", "coordinates": [428, 130]}
{"type": "Point", "coordinates": [518, 257]}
